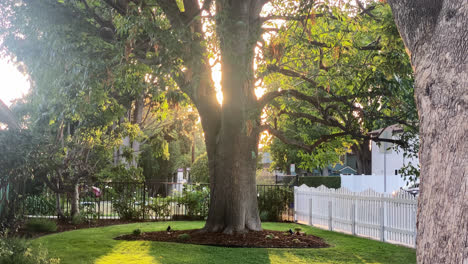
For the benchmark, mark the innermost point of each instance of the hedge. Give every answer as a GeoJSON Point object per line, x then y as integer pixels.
{"type": "Point", "coordinates": [315, 181]}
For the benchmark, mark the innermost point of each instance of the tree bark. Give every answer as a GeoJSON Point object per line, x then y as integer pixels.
{"type": "Point", "coordinates": [363, 157]}
{"type": "Point", "coordinates": [137, 119]}
{"type": "Point", "coordinates": [325, 171]}
{"type": "Point", "coordinates": [233, 202]}
{"type": "Point", "coordinates": [436, 35]}
{"type": "Point", "coordinates": [58, 207]}
{"type": "Point", "coordinates": [75, 201]}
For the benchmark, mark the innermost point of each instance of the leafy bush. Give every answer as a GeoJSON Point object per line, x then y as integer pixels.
{"type": "Point", "coordinates": [273, 202]}
{"type": "Point", "coordinates": [39, 205]}
{"type": "Point", "coordinates": [41, 225]}
{"type": "Point", "coordinates": [137, 232]}
{"type": "Point", "coordinates": [78, 219]}
{"type": "Point", "coordinates": [88, 210]}
{"type": "Point", "coordinates": [195, 200]}
{"type": "Point", "coordinates": [127, 210]}
{"type": "Point", "coordinates": [199, 171]}
{"type": "Point", "coordinates": [15, 251]}
{"type": "Point", "coordinates": [161, 206]}
{"type": "Point", "coordinates": [183, 237]}
{"type": "Point", "coordinates": [315, 181]}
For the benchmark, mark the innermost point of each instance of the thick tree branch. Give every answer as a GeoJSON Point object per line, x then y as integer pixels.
{"type": "Point", "coordinates": [170, 8]}
{"type": "Point", "coordinates": [102, 22]}
{"type": "Point", "coordinates": [122, 10]}
{"type": "Point", "coordinates": [294, 18]}
{"type": "Point", "coordinates": [367, 11]}
{"type": "Point", "coordinates": [290, 73]}
{"type": "Point", "coordinates": [309, 148]}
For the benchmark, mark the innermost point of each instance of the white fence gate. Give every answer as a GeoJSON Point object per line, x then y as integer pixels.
{"type": "Point", "coordinates": [369, 214]}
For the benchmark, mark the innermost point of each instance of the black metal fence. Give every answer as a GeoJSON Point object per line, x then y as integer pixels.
{"type": "Point", "coordinates": [152, 201]}
{"type": "Point", "coordinates": [287, 179]}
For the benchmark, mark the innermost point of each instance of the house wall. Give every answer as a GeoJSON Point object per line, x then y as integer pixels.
{"type": "Point", "coordinates": [379, 183]}
{"type": "Point", "coordinates": [387, 161]}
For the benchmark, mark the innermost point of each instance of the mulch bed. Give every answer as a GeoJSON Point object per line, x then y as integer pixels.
{"type": "Point", "coordinates": [258, 239]}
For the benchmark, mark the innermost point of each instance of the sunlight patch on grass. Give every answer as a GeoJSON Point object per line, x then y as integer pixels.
{"type": "Point", "coordinates": [131, 252]}
{"type": "Point", "coordinates": [285, 257]}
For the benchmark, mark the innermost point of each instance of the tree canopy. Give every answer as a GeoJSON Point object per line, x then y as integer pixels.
{"type": "Point", "coordinates": [96, 75]}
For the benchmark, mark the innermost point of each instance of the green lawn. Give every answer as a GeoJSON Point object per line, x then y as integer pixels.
{"type": "Point", "coordinates": [96, 245]}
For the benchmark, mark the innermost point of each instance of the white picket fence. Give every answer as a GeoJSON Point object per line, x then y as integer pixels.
{"type": "Point", "coordinates": [368, 214]}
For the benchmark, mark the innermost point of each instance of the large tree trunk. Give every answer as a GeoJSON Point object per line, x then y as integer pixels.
{"type": "Point", "coordinates": [232, 158]}
{"type": "Point", "coordinates": [436, 35]}
{"type": "Point", "coordinates": [363, 157]}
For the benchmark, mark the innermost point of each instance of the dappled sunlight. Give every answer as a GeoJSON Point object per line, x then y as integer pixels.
{"type": "Point", "coordinates": [137, 252]}
{"type": "Point", "coordinates": [277, 257]}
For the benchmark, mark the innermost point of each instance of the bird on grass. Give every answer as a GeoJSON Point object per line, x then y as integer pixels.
{"type": "Point", "coordinates": [168, 229]}
{"type": "Point", "coordinates": [290, 231]}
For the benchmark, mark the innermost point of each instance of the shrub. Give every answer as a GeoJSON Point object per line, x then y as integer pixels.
{"type": "Point", "coordinates": [15, 251]}
{"type": "Point", "coordinates": [315, 181]}
{"type": "Point", "coordinates": [195, 200]}
{"type": "Point", "coordinates": [39, 205]}
{"type": "Point", "coordinates": [41, 225]}
{"type": "Point", "coordinates": [183, 237]}
{"type": "Point", "coordinates": [199, 171]}
{"type": "Point", "coordinates": [273, 202]}
{"type": "Point", "coordinates": [88, 210]}
{"type": "Point", "coordinates": [78, 219]}
{"type": "Point", "coordinates": [264, 215]}
{"type": "Point", "coordinates": [127, 210]}
{"type": "Point", "coordinates": [137, 232]}
{"type": "Point", "coordinates": [161, 207]}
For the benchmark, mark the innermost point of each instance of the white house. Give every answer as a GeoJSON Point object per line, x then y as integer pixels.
{"type": "Point", "coordinates": [385, 159]}
{"type": "Point", "coordinates": [386, 163]}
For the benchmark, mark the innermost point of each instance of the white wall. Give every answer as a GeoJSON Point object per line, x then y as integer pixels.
{"type": "Point", "coordinates": [387, 161]}
{"type": "Point", "coordinates": [359, 183]}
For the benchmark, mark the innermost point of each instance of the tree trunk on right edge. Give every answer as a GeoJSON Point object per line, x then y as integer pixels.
{"type": "Point", "coordinates": [436, 35]}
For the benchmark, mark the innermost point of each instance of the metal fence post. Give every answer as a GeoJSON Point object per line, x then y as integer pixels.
{"type": "Point", "coordinates": [330, 216]}
{"type": "Point", "coordinates": [144, 199]}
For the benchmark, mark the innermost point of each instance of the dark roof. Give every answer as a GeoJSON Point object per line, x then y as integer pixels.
{"type": "Point", "coordinates": [6, 116]}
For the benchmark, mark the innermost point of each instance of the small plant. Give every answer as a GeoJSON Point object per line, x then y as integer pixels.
{"type": "Point", "coordinates": [296, 240]}
{"type": "Point", "coordinates": [41, 225]}
{"type": "Point", "coordinates": [264, 216]}
{"type": "Point", "coordinates": [16, 250]}
{"type": "Point", "coordinates": [137, 232]}
{"type": "Point", "coordinates": [78, 219]}
{"type": "Point", "coordinates": [161, 207]}
{"type": "Point", "coordinates": [269, 236]}
{"type": "Point", "coordinates": [297, 229]}
{"type": "Point", "coordinates": [183, 237]}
